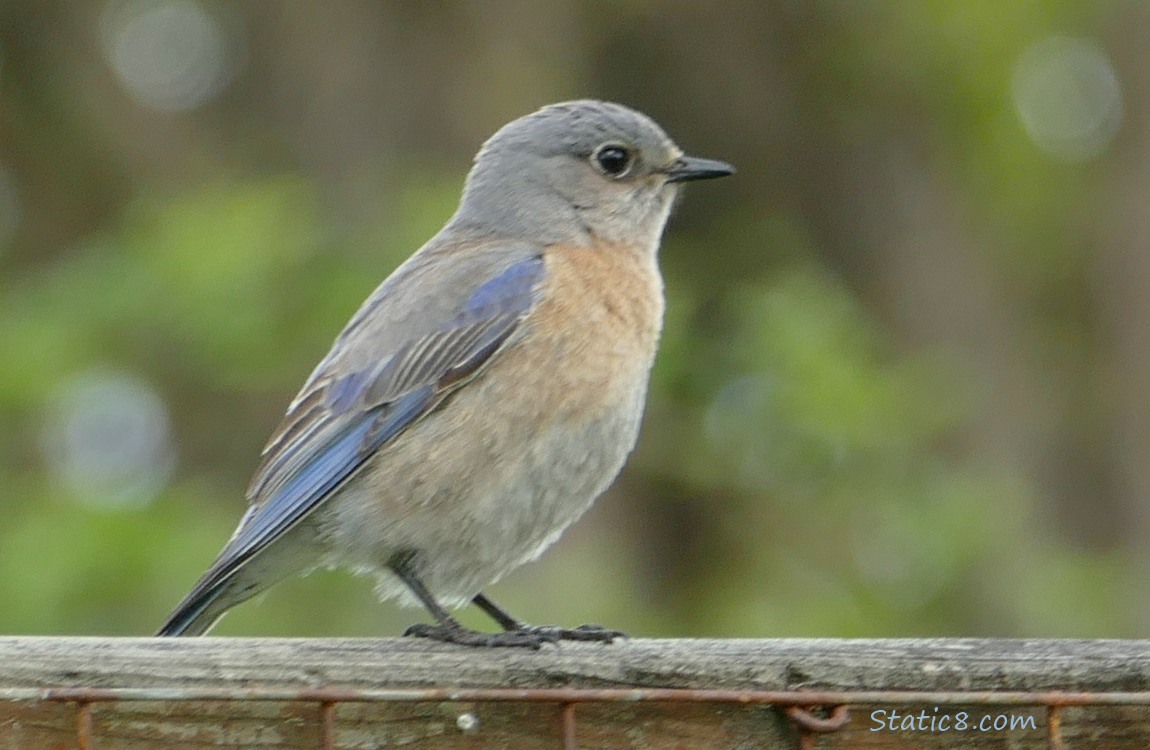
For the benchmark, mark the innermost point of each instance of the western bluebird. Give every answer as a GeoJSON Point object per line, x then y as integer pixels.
{"type": "Point", "coordinates": [487, 391]}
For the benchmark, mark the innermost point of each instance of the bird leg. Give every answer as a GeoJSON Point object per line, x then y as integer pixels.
{"type": "Point", "coordinates": [449, 630]}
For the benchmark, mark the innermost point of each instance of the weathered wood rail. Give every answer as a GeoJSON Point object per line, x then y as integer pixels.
{"type": "Point", "coordinates": [202, 694]}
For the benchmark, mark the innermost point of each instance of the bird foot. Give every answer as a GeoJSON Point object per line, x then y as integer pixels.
{"type": "Point", "coordinates": [463, 636]}
{"type": "Point", "coordinates": [554, 633]}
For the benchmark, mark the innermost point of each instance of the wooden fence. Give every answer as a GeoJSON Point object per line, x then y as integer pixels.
{"type": "Point", "coordinates": [280, 694]}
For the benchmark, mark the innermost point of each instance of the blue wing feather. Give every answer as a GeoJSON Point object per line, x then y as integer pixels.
{"type": "Point", "coordinates": [331, 467]}
{"type": "Point", "coordinates": [510, 289]}
{"type": "Point", "coordinates": [376, 405]}
{"type": "Point", "coordinates": [331, 430]}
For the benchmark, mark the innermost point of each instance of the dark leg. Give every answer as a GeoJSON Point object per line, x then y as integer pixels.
{"type": "Point", "coordinates": [506, 620]}
{"type": "Point", "coordinates": [512, 624]}
{"type": "Point", "coordinates": [447, 628]}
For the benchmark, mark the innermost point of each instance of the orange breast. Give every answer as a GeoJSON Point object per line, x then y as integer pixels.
{"type": "Point", "coordinates": [600, 317]}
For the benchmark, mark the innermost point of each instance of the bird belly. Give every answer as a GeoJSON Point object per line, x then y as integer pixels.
{"type": "Point", "coordinates": [478, 488]}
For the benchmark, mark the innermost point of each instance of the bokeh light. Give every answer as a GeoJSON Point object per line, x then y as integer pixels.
{"type": "Point", "coordinates": [106, 439]}
{"type": "Point", "coordinates": [1068, 97]}
{"type": "Point", "coordinates": [169, 55]}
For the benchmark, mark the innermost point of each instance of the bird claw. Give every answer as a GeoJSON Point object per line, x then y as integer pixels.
{"type": "Point", "coordinates": [465, 637]}
{"type": "Point", "coordinates": [586, 633]}
{"type": "Point", "coordinates": [527, 636]}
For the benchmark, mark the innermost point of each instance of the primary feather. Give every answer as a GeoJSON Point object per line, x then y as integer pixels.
{"type": "Point", "coordinates": [337, 422]}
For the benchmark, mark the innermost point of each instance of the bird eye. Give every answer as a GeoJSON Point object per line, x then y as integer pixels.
{"type": "Point", "coordinates": [613, 160]}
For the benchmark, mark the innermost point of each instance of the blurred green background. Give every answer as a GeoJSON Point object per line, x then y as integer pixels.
{"type": "Point", "coordinates": [903, 385]}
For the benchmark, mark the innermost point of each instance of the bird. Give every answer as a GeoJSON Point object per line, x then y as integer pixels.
{"type": "Point", "coordinates": [487, 391]}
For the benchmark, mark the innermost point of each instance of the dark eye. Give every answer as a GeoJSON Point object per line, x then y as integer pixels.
{"type": "Point", "coordinates": [613, 160]}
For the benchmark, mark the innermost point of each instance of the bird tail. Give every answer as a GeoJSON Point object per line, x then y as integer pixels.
{"type": "Point", "coordinates": [230, 580]}
{"type": "Point", "coordinates": [226, 584]}
{"type": "Point", "coordinates": [197, 613]}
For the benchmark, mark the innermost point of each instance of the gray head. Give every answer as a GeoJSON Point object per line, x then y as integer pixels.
{"type": "Point", "coordinates": [579, 172]}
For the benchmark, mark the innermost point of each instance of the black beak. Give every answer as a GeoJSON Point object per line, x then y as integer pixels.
{"type": "Point", "coordinates": [692, 168]}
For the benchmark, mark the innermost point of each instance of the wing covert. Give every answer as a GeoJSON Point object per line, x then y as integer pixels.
{"type": "Point", "coordinates": [343, 418]}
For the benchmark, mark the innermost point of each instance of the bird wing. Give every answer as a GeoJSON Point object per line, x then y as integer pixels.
{"type": "Point", "coordinates": [341, 417]}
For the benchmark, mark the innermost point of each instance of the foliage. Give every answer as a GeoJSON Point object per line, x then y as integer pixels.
{"type": "Point", "coordinates": [880, 406]}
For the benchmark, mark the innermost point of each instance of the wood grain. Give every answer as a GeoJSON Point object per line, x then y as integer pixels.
{"type": "Point", "coordinates": [815, 664]}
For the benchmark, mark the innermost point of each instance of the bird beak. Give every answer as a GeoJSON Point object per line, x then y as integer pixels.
{"type": "Point", "coordinates": [692, 168]}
